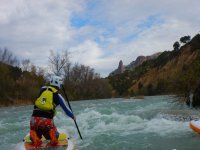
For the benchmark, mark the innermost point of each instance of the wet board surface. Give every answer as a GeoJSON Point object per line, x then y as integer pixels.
{"type": "Point", "coordinates": [62, 145]}
{"type": "Point", "coordinates": [195, 126]}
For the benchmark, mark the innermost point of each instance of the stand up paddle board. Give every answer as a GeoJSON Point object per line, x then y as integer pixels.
{"type": "Point", "coordinates": [195, 126]}
{"type": "Point", "coordinates": [64, 143]}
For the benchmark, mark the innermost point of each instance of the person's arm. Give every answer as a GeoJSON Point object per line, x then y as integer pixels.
{"type": "Point", "coordinates": [64, 107]}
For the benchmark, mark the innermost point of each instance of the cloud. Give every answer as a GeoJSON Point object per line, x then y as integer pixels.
{"type": "Point", "coordinates": [97, 33]}
{"type": "Point", "coordinates": [86, 53]}
{"type": "Point", "coordinates": [29, 27]}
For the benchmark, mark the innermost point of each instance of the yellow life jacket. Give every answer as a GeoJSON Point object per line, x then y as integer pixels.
{"type": "Point", "coordinates": [45, 100]}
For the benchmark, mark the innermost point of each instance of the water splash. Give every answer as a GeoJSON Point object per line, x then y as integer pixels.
{"type": "Point", "coordinates": [153, 123]}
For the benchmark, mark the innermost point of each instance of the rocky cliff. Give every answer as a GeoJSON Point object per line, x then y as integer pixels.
{"type": "Point", "coordinates": [139, 60]}
{"type": "Point", "coordinates": [119, 70]}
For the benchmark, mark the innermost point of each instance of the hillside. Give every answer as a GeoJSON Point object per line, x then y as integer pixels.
{"type": "Point", "coordinates": [171, 70]}
{"type": "Point", "coordinates": [174, 71]}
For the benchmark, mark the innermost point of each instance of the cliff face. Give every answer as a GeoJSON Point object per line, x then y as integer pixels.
{"type": "Point", "coordinates": [139, 60]}
{"type": "Point", "coordinates": [119, 70]}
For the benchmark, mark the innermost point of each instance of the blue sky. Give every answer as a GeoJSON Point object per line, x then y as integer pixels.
{"type": "Point", "coordinates": [97, 33]}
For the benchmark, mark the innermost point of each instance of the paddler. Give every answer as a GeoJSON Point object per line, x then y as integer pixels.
{"type": "Point", "coordinates": [42, 122]}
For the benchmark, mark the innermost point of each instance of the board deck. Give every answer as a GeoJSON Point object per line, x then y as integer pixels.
{"type": "Point", "coordinates": [62, 143]}
{"type": "Point", "coordinates": [195, 126]}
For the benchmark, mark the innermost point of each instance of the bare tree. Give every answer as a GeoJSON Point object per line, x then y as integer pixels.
{"type": "Point", "coordinates": [26, 65]}
{"type": "Point", "coordinates": [33, 69]}
{"type": "Point", "coordinates": [67, 70]}
{"type": "Point", "coordinates": [75, 74]}
{"type": "Point", "coordinates": [82, 73]}
{"type": "Point", "coordinates": [58, 61]}
{"type": "Point", "coordinates": [7, 57]}
{"type": "Point", "coordinates": [40, 71]}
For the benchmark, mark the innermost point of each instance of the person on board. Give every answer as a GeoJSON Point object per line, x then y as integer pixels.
{"type": "Point", "coordinates": [41, 122]}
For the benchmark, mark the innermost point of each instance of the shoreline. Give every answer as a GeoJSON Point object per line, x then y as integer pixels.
{"type": "Point", "coordinates": [16, 103]}
{"type": "Point", "coordinates": [19, 103]}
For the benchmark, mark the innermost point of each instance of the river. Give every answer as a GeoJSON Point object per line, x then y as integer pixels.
{"type": "Point", "coordinates": [154, 123]}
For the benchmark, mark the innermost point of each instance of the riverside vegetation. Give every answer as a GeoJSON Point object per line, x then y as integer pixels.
{"type": "Point", "coordinates": [172, 72]}
{"type": "Point", "coordinates": [20, 82]}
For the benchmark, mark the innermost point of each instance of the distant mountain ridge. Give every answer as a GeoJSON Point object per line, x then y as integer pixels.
{"type": "Point", "coordinates": [139, 60]}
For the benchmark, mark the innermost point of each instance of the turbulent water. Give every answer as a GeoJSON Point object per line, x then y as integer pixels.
{"type": "Point", "coordinates": [155, 123]}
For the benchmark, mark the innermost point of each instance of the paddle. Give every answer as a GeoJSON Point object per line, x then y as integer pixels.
{"type": "Point", "coordinates": [71, 110]}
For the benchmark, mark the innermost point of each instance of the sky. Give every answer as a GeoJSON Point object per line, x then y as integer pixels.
{"type": "Point", "coordinates": [96, 33]}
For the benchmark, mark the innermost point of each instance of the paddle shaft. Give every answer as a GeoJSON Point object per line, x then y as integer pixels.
{"type": "Point", "coordinates": [71, 110]}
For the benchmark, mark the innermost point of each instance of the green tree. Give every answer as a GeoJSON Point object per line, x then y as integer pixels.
{"type": "Point", "coordinates": [185, 39]}
{"type": "Point", "coordinates": [176, 46]}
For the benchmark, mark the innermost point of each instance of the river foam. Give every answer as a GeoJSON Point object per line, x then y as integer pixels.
{"type": "Point", "coordinates": [149, 124]}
